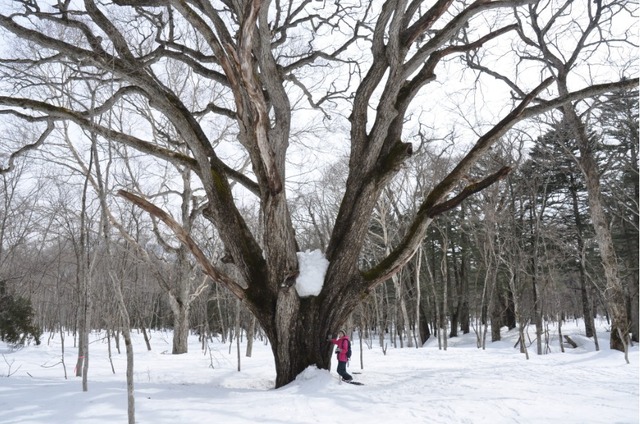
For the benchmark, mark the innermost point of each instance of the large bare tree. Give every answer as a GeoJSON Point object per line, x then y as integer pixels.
{"type": "Point", "coordinates": [251, 62]}
{"type": "Point", "coordinates": [561, 59]}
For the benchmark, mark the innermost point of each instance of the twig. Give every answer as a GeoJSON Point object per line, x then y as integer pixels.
{"type": "Point", "coordinates": [10, 364]}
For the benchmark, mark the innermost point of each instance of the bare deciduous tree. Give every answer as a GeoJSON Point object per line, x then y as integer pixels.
{"type": "Point", "coordinates": [542, 38]}
{"type": "Point", "coordinates": [251, 56]}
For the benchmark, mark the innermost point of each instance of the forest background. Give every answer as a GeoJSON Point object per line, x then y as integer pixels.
{"type": "Point", "coordinates": [101, 229]}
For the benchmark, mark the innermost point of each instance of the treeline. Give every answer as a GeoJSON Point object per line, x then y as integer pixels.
{"type": "Point", "coordinates": [521, 252]}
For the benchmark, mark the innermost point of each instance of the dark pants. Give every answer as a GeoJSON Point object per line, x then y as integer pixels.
{"type": "Point", "coordinates": [342, 370]}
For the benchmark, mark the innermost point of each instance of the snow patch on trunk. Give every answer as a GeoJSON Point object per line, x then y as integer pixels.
{"type": "Point", "coordinates": [313, 267]}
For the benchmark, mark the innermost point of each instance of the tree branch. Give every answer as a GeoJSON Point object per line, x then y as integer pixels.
{"type": "Point", "coordinates": [402, 253]}
{"type": "Point", "coordinates": [450, 29]}
{"type": "Point", "coordinates": [591, 91]}
{"type": "Point", "coordinates": [433, 205]}
{"type": "Point", "coordinates": [476, 187]}
{"type": "Point", "coordinates": [186, 239]}
{"type": "Point", "coordinates": [24, 149]}
{"type": "Point", "coordinates": [82, 120]}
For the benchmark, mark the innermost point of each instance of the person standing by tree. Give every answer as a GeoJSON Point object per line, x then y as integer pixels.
{"type": "Point", "coordinates": [342, 352]}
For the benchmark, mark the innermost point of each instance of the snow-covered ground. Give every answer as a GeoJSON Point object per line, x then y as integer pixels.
{"type": "Point", "coordinates": [460, 385]}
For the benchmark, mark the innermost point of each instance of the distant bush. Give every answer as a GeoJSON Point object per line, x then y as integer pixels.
{"type": "Point", "coordinates": [16, 319]}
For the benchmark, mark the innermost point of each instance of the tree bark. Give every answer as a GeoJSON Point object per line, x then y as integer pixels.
{"type": "Point", "coordinates": [589, 325]}
{"type": "Point", "coordinates": [614, 292]}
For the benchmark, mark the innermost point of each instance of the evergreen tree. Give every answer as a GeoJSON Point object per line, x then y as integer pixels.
{"type": "Point", "coordinates": [16, 319]}
{"type": "Point", "coordinates": [558, 178]}
{"type": "Point", "coordinates": [620, 135]}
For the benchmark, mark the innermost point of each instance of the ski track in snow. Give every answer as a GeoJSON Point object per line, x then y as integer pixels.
{"type": "Point", "coordinates": [460, 385]}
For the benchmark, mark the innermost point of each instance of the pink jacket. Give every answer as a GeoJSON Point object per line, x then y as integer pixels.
{"type": "Point", "coordinates": [344, 346]}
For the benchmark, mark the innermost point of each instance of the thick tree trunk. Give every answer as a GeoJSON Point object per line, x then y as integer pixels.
{"type": "Point", "coordinates": [251, 334]}
{"type": "Point", "coordinates": [495, 305]}
{"type": "Point", "coordinates": [537, 314]}
{"type": "Point", "coordinates": [425, 330]}
{"type": "Point", "coordinates": [456, 295]}
{"type": "Point", "coordinates": [416, 326]}
{"type": "Point", "coordinates": [299, 329]}
{"type": "Point", "coordinates": [126, 332]}
{"type": "Point", "coordinates": [632, 307]}
{"type": "Point", "coordinates": [632, 264]}
{"type": "Point", "coordinates": [464, 315]}
{"type": "Point", "coordinates": [180, 308]}
{"type": "Point", "coordinates": [589, 325]}
{"type": "Point", "coordinates": [145, 334]}
{"type": "Point", "coordinates": [614, 293]}
{"type": "Point", "coordinates": [301, 338]}
{"type": "Point", "coordinates": [444, 311]}
{"type": "Point", "coordinates": [510, 313]}
{"type": "Point", "coordinates": [615, 296]}
{"type": "Point", "coordinates": [405, 326]}
{"type": "Point", "coordinates": [180, 304]}
{"type": "Point", "coordinates": [84, 275]}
